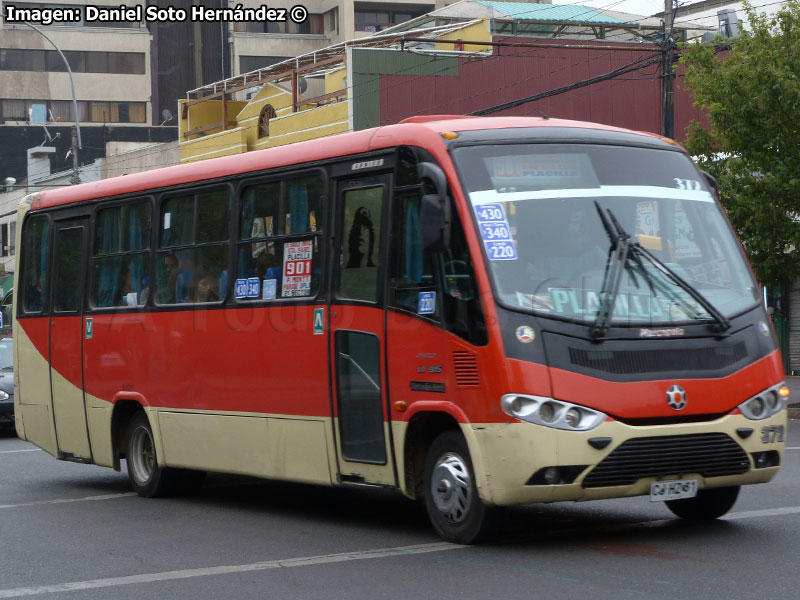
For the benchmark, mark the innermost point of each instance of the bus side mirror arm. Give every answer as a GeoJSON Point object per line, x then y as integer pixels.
{"type": "Point", "coordinates": [434, 209]}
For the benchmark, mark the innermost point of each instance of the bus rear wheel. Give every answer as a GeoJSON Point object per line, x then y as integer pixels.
{"type": "Point", "coordinates": [451, 495]}
{"type": "Point", "coordinates": [708, 504]}
{"type": "Point", "coordinates": [147, 478]}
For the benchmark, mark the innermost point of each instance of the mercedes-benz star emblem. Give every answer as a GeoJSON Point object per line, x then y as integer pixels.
{"type": "Point", "coordinates": [676, 397]}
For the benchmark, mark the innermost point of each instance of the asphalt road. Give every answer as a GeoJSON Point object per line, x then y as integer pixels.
{"type": "Point", "coordinates": [72, 531]}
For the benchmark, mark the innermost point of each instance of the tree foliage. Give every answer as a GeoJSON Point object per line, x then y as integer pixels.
{"type": "Point", "coordinates": [751, 93]}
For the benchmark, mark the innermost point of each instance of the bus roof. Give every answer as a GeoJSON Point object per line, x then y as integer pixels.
{"type": "Point", "coordinates": [423, 130]}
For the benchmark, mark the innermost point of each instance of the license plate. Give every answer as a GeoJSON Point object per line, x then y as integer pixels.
{"type": "Point", "coordinates": [673, 490]}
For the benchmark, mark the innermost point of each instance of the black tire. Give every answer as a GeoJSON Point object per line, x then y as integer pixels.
{"type": "Point", "coordinates": [707, 505]}
{"type": "Point", "coordinates": [146, 477]}
{"type": "Point", "coordinates": [451, 496]}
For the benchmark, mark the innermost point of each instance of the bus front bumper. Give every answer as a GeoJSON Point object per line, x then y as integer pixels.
{"type": "Point", "coordinates": [520, 463]}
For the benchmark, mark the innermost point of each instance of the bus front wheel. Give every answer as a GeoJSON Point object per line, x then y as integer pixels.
{"type": "Point", "coordinates": [708, 504]}
{"type": "Point", "coordinates": [451, 496]}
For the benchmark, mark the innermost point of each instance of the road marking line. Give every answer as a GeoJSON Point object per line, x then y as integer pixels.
{"type": "Point", "coordinates": [792, 448]}
{"type": "Point", "coordinates": [26, 450]}
{"type": "Point", "coordinates": [223, 570]}
{"type": "Point", "coordinates": [293, 562]}
{"type": "Point", "coordinates": [769, 512]}
{"type": "Point", "coordinates": [68, 500]}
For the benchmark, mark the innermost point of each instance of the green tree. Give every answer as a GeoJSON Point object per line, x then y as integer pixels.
{"type": "Point", "coordinates": [751, 93]}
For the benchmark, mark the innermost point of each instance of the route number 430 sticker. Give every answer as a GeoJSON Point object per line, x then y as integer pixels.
{"type": "Point", "coordinates": [495, 232]}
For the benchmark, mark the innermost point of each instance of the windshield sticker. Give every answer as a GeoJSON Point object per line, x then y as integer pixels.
{"type": "Point", "coordinates": [687, 184]}
{"type": "Point", "coordinates": [240, 289]}
{"type": "Point", "coordinates": [253, 287]}
{"type": "Point", "coordinates": [537, 171]}
{"type": "Point", "coordinates": [715, 272]}
{"type": "Point", "coordinates": [426, 303]}
{"type": "Point", "coordinates": [685, 246]}
{"type": "Point", "coordinates": [297, 268]}
{"type": "Point", "coordinates": [495, 232]}
{"type": "Point", "coordinates": [269, 289]}
{"type": "Point", "coordinates": [604, 191]}
{"type": "Point", "coordinates": [631, 306]}
{"type": "Point", "coordinates": [647, 218]}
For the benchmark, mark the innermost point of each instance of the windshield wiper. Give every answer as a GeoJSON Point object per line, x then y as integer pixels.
{"type": "Point", "coordinates": [722, 323]}
{"type": "Point", "coordinates": [618, 257]}
{"type": "Point", "coordinates": [623, 248]}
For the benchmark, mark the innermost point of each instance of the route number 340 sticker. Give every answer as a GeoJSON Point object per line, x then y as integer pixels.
{"type": "Point", "coordinates": [495, 232]}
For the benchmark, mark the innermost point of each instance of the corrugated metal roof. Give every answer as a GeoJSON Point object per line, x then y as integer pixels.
{"type": "Point", "coordinates": [550, 12]}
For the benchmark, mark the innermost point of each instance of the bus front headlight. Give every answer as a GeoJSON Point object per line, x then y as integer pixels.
{"type": "Point", "coordinates": [766, 404]}
{"type": "Point", "coordinates": [550, 412]}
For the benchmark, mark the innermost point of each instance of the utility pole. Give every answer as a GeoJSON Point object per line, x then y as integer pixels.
{"type": "Point", "coordinates": [668, 80]}
{"type": "Point", "coordinates": [76, 176]}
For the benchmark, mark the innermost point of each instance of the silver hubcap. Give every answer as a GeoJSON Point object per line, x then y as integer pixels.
{"type": "Point", "coordinates": [451, 488]}
{"type": "Point", "coordinates": [143, 455]}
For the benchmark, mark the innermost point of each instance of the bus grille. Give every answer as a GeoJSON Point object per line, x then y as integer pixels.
{"type": "Point", "coordinates": [655, 361]}
{"type": "Point", "coordinates": [466, 366]}
{"type": "Point", "coordinates": [709, 454]}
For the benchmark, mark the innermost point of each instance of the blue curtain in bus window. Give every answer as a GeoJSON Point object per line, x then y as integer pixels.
{"type": "Point", "coordinates": [109, 267]}
{"type": "Point", "coordinates": [136, 242]}
{"type": "Point", "coordinates": [43, 260]}
{"type": "Point", "coordinates": [298, 207]}
{"type": "Point", "coordinates": [413, 245]}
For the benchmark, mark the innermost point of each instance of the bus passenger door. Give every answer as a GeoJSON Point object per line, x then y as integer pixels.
{"type": "Point", "coordinates": [66, 338]}
{"type": "Point", "coordinates": [357, 323]}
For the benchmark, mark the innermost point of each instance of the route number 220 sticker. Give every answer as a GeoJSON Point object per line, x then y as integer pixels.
{"type": "Point", "coordinates": [495, 232]}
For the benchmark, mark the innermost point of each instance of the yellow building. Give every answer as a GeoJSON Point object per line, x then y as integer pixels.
{"type": "Point", "coordinates": [318, 94]}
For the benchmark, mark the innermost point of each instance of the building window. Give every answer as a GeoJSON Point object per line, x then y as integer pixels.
{"type": "Point", "coordinates": [88, 111]}
{"type": "Point", "coordinates": [374, 17]}
{"type": "Point", "coordinates": [253, 63]}
{"type": "Point", "coordinates": [333, 20]}
{"type": "Point", "coordinates": [22, 60]}
{"type": "Point", "coordinates": [314, 24]}
{"type": "Point", "coordinates": [12, 59]}
{"type": "Point", "coordinates": [267, 113]}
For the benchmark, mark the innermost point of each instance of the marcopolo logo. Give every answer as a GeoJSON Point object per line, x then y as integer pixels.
{"type": "Point", "coordinates": [676, 397]}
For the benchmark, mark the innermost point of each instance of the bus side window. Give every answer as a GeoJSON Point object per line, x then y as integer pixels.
{"type": "Point", "coordinates": [461, 304]}
{"type": "Point", "coordinates": [280, 237]}
{"type": "Point", "coordinates": [121, 256]}
{"type": "Point", "coordinates": [361, 243]}
{"type": "Point", "coordinates": [412, 269]}
{"type": "Point", "coordinates": [450, 274]}
{"type": "Point", "coordinates": [36, 238]}
{"type": "Point", "coordinates": [193, 254]}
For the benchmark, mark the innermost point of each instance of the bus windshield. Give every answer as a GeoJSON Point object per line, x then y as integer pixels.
{"type": "Point", "coordinates": [551, 218]}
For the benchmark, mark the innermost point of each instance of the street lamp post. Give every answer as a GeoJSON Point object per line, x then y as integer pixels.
{"type": "Point", "coordinates": [76, 139]}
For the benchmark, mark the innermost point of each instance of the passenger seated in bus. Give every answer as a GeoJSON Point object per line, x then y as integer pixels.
{"type": "Point", "coordinates": [168, 294]}
{"type": "Point", "coordinates": [35, 299]}
{"type": "Point", "coordinates": [124, 288]}
{"type": "Point", "coordinates": [203, 289]}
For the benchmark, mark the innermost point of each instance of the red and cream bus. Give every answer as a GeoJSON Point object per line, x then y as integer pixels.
{"type": "Point", "coordinates": [480, 312]}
